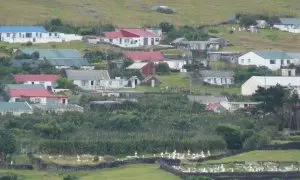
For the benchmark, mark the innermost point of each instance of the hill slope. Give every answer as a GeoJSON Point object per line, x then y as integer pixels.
{"type": "Point", "coordinates": [137, 12]}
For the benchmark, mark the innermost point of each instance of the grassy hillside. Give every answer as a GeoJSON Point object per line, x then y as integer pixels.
{"type": "Point", "coordinates": [137, 12]}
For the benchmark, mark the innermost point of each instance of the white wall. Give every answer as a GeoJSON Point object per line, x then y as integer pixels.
{"type": "Point", "coordinates": [130, 42]}
{"type": "Point", "coordinates": [176, 64]}
{"type": "Point", "coordinates": [45, 83]}
{"type": "Point", "coordinates": [250, 86]}
{"type": "Point", "coordinates": [101, 84]}
{"type": "Point", "coordinates": [37, 37]}
{"type": "Point", "coordinates": [251, 58]}
{"type": "Point", "coordinates": [288, 28]}
{"type": "Point", "coordinates": [218, 80]}
{"type": "Point", "coordinates": [38, 100]}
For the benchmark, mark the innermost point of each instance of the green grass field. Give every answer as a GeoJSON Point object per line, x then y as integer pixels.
{"type": "Point", "coordinates": [276, 155]}
{"type": "Point", "coordinates": [131, 172]}
{"type": "Point", "coordinates": [137, 12]}
{"type": "Point", "coordinates": [181, 80]}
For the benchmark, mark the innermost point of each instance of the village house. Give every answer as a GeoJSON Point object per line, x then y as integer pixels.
{"type": "Point", "coordinates": [291, 25]}
{"type": "Point", "coordinates": [133, 37]}
{"type": "Point", "coordinates": [33, 34]}
{"type": "Point", "coordinates": [212, 44]}
{"type": "Point", "coordinates": [213, 77]}
{"type": "Point", "coordinates": [177, 64]}
{"type": "Point", "coordinates": [15, 108]}
{"type": "Point", "coordinates": [48, 80]}
{"type": "Point", "coordinates": [273, 60]}
{"type": "Point", "coordinates": [60, 58]}
{"type": "Point", "coordinates": [94, 79]}
{"type": "Point", "coordinates": [231, 57]}
{"type": "Point", "coordinates": [36, 96]}
{"type": "Point", "coordinates": [146, 68]}
{"type": "Point", "coordinates": [212, 103]}
{"type": "Point", "coordinates": [143, 56]}
{"type": "Point", "coordinates": [252, 84]}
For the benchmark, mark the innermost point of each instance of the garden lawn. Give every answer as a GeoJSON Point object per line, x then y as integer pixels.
{"type": "Point", "coordinates": [131, 172]}
{"type": "Point", "coordinates": [268, 155]}
{"type": "Point", "coordinates": [182, 80]}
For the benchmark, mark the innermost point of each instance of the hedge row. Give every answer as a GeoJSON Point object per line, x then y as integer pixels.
{"type": "Point", "coordinates": [127, 147]}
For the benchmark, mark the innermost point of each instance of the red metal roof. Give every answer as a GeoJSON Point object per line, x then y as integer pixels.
{"type": "Point", "coordinates": [36, 77]}
{"type": "Point", "coordinates": [33, 93]}
{"type": "Point", "coordinates": [144, 56]}
{"type": "Point", "coordinates": [139, 32]}
{"type": "Point", "coordinates": [129, 32]}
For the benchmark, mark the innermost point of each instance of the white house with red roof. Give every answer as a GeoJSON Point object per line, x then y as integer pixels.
{"type": "Point", "coordinates": [36, 96]}
{"type": "Point", "coordinates": [133, 37]}
{"type": "Point", "coordinates": [143, 56]}
{"type": "Point", "coordinates": [48, 80]}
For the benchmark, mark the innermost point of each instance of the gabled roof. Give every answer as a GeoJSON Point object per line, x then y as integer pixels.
{"type": "Point", "coordinates": [59, 57]}
{"type": "Point", "coordinates": [14, 106]}
{"type": "Point", "coordinates": [274, 80]}
{"type": "Point", "coordinates": [290, 21]}
{"type": "Point", "coordinates": [25, 86]}
{"type": "Point", "coordinates": [87, 74]}
{"type": "Point", "coordinates": [144, 56]}
{"type": "Point", "coordinates": [137, 65]}
{"type": "Point", "coordinates": [53, 53]}
{"type": "Point", "coordinates": [26, 29]}
{"type": "Point", "coordinates": [33, 93]}
{"type": "Point", "coordinates": [272, 54]}
{"type": "Point", "coordinates": [141, 32]}
{"type": "Point", "coordinates": [36, 77]}
{"type": "Point", "coordinates": [214, 73]}
{"type": "Point", "coordinates": [129, 32]}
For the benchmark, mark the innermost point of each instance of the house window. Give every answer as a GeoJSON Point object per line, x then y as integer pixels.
{"type": "Point", "coordinates": [215, 80]}
{"type": "Point", "coordinates": [156, 39]}
{"type": "Point", "coordinates": [7, 34]}
{"type": "Point", "coordinates": [242, 61]}
{"type": "Point", "coordinates": [288, 61]}
{"type": "Point", "coordinates": [55, 34]}
{"type": "Point", "coordinates": [281, 62]}
{"type": "Point", "coordinates": [20, 35]}
{"type": "Point", "coordinates": [272, 61]}
{"type": "Point", "coordinates": [221, 80]}
{"type": "Point", "coordinates": [126, 40]}
{"type": "Point", "coordinates": [32, 82]}
{"type": "Point", "coordinates": [37, 100]}
{"type": "Point", "coordinates": [50, 34]}
{"type": "Point", "coordinates": [28, 35]}
{"type": "Point", "coordinates": [225, 80]}
{"type": "Point", "coordinates": [249, 60]}
{"type": "Point", "coordinates": [36, 34]}
{"type": "Point", "coordinates": [92, 83]}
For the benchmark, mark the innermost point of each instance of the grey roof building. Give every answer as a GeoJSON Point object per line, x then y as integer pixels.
{"type": "Point", "coordinates": [15, 108]}
{"type": "Point", "coordinates": [87, 75]}
{"type": "Point", "coordinates": [290, 21]}
{"type": "Point", "coordinates": [214, 73]}
{"type": "Point", "coordinates": [273, 54]}
{"type": "Point", "coordinates": [218, 78]}
{"type": "Point", "coordinates": [58, 57]}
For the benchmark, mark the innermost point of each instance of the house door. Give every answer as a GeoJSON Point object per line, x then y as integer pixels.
{"type": "Point", "coordinates": [152, 41]}
{"type": "Point", "coordinates": [33, 40]}
{"type": "Point", "coordinates": [145, 41]}
{"type": "Point", "coordinates": [64, 101]}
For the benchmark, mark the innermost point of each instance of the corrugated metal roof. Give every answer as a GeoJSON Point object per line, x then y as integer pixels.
{"type": "Point", "coordinates": [25, 86]}
{"type": "Point", "coordinates": [36, 77]}
{"type": "Point", "coordinates": [53, 53]}
{"type": "Point", "coordinates": [213, 73]}
{"type": "Point", "coordinates": [87, 74]}
{"type": "Point", "coordinates": [54, 107]}
{"type": "Point", "coordinates": [281, 80]}
{"type": "Point", "coordinates": [137, 65]}
{"type": "Point", "coordinates": [72, 62]}
{"type": "Point", "coordinates": [290, 21]}
{"type": "Point", "coordinates": [272, 54]}
{"type": "Point", "coordinates": [14, 106]}
{"type": "Point", "coordinates": [144, 56]}
{"type": "Point", "coordinates": [26, 29]}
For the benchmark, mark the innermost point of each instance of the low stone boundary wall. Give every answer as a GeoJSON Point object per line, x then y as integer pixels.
{"type": "Point", "coordinates": [17, 166]}
{"type": "Point", "coordinates": [58, 167]}
{"type": "Point", "coordinates": [235, 175]}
